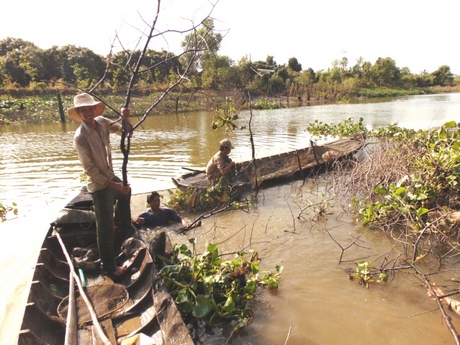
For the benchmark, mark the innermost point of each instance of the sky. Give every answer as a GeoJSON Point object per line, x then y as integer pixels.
{"type": "Point", "coordinates": [420, 35]}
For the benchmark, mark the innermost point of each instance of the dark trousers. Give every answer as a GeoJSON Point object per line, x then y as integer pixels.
{"type": "Point", "coordinates": [104, 201]}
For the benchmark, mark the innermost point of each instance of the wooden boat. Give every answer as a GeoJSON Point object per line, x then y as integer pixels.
{"type": "Point", "coordinates": [72, 302]}
{"type": "Point", "coordinates": [260, 172]}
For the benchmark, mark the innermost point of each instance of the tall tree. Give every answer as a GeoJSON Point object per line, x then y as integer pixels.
{"type": "Point", "coordinates": [270, 61]}
{"type": "Point", "coordinates": [306, 77]}
{"type": "Point", "coordinates": [357, 70]}
{"type": "Point", "coordinates": [217, 72]}
{"type": "Point", "coordinates": [294, 64]}
{"type": "Point", "coordinates": [200, 44]}
{"type": "Point", "coordinates": [385, 72]}
{"type": "Point", "coordinates": [443, 76]}
{"type": "Point", "coordinates": [245, 70]}
{"type": "Point", "coordinates": [52, 64]}
{"type": "Point", "coordinates": [81, 66]}
{"type": "Point", "coordinates": [22, 63]}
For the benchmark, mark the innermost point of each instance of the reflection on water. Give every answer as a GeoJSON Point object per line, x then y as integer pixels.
{"type": "Point", "coordinates": [316, 303]}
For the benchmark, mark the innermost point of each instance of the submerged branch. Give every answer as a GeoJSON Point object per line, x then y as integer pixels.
{"type": "Point", "coordinates": [445, 316]}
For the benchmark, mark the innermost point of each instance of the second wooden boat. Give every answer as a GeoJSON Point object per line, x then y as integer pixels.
{"type": "Point", "coordinates": [261, 171]}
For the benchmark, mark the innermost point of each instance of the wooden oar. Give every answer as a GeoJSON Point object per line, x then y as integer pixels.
{"type": "Point", "coordinates": [194, 170]}
{"type": "Point", "coordinates": [71, 335]}
{"type": "Point", "coordinates": [96, 324]}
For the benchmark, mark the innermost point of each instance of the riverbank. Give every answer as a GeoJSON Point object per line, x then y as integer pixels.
{"type": "Point", "coordinates": [42, 106]}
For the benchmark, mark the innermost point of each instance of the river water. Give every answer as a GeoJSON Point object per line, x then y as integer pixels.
{"type": "Point", "coordinates": [316, 302]}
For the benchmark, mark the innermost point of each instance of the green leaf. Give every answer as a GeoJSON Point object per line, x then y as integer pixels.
{"type": "Point", "coordinates": [400, 190]}
{"type": "Point", "coordinates": [383, 277]}
{"type": "Point", "coordinates": [450, 124]}
{"type": "Point", "coordinates": [363, 263]}
{"type": "Point", "coordinates": [208, 279]}
{"type": "Point", "coordinates": [184, 250]}
{"type": "Point", "coordinates": [421, 211]}
{"type": "Point", "coordinates": [182, 296]}
{"type": "Point", "coordinates": [254, 268]}
{"type": "Point", "coordinates": [229, 305]}
{"type": "Point", "coordinates": [273, 284]}
{"type": "Point", "coordinates": [250, 287]}
{"type": "Point", "coordinates": [202, 306]}
{"type": "Point", "coordinates": [212, 248]}
{"type": "Point", "coordinates": [380, 190]}
{"type": "Point", "coordinates": [169, 269]}
{"type": "Point", "coordinates": [442, 133]}
{"type": "Point", "coordinates": [183, 301]}
{"type": "Point", "coordinates": [419, 257]}
{"type": "Point", "coordinates": [456, 145]}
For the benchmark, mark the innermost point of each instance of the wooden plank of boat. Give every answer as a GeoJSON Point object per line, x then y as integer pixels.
{"type": "Point", "coordinates": [279, 166]}
{"type": "Point", "coordinates": [43, 324]}
{"type": "Point", "coordinates": [168, 312]}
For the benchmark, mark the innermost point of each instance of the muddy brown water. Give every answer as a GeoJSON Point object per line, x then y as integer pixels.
{"type": "Point", "coordinates": [316, 303]}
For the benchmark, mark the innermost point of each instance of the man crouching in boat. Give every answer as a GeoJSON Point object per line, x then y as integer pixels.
{"type": "Point", "coordinates": [220, 164]}
{"type": "Point", "coordinates": [156, 216]}
{"type": "Point", "coordinates": [92, 142]}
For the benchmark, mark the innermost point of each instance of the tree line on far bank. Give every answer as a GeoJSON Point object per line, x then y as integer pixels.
{"type": "Point", "coordinates": [23, 65]}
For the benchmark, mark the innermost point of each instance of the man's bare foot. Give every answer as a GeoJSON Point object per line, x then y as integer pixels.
{"type": "Point", "coordinates": [119, 271]}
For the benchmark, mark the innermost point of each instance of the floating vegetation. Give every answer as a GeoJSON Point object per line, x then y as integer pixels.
{"type": "Point", "coordinates": [207, 287]}
{"type": "Point", "coordinates": [427, 188]}
{"type": "Point", "coordinates": [30, 109]}
{"type": "Point", "coordinates": [374, 92]}
{"type": "Point", "coordinates": [365, 273]}
{"type": "Point", "coordinates": [4, 209]}
{"type": "Point", "coordinates": [344, 129]}
{"type": "Point", "coordinates": [349, 127]}
{"type": "Point", "coordinates": [200, 199]}
{"type": "Point", "coordinates": [266, 105]}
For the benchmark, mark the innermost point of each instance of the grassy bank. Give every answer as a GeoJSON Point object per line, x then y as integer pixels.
{"type": "Point", "coordinates": [40, 106]}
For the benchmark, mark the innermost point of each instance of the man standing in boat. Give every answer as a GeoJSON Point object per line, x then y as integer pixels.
{"type": "Point", "coordinates": [220, 164]}
{"type": "Point", "coordinates": [92, 142]}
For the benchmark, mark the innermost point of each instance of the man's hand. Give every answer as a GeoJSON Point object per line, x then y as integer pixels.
{"type": "Point", "coordinates": [185, 222]}
{"type": "Point", "coordinates": [118, 186]}
{"type": "Point", "coordinates": [125, 189]}
{"type": "Point", "coordinates": [125, 113]}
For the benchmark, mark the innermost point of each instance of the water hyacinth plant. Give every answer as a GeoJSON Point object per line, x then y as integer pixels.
{"type": "Point", "coordinates": [207, 287]}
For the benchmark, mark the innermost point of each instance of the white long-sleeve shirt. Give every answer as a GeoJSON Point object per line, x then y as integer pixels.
{"type": "Point", "coordinates": [94, 151]}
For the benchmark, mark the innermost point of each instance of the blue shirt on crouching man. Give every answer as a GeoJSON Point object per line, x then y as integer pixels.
{"type": "Point", "coordinates": [164, 217]}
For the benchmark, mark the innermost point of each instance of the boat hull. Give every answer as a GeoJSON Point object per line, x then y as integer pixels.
{"type": "Point", "coordinates": [136, 305]}
{"type": "Point", "coordinates": [262, 172]}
